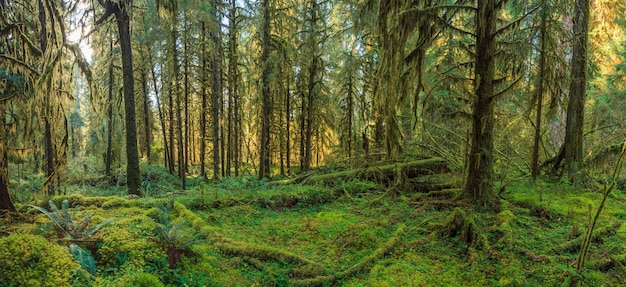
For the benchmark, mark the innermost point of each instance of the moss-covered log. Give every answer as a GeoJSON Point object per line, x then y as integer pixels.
{"type": "Point", "coordinates": [386, 174]}
{"type": "Point", "coordinates": [263, 253]}
{"type": "Point", "coordinates": [574, 244]}
{"type": "Point", "coordinates": [362, 265]}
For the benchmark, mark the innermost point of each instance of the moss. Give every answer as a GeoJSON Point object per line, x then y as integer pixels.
{"type": "Point", "coordinates": [130, 236]}
{"type": "Point", "coordinates": [30, 260]}
{"type": "Point", "coordinates": [115, 202]}
{"type": "Point", "coordinates": [145, 280]}
{"type": "Point", "coordinates": [598, 234]}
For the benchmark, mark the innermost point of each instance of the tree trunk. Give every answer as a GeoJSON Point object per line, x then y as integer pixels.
{"type": "Point", "coordinates": [264, 154]}
{"type": "Point", "coordinates": [542, 63]}
{"type": "Point", "coordinates": [216, 99]}
{"type": "Point", "coordinates": [186, 138]}
{"type": "Point", "coordinates": [311, 90]}
{"type": "Point", "coordinates": [107, 169]}
{"type": "Point", "coordinates": [573, 146]}
{"type": "Point", "coordinates": [146, 113]}
{"type": "Point", "coordinates": [133, 176]}
{"type": "Point", "coordinates": [203, 107]}
{"type": "Point", "coordinates": [6, 203]}
{"type": "Point", "coordinates": [288, 125]}
{"type": "Point", "coordinates": [480, 175]}
{"type": "Point", "coordinates": [166, 159]}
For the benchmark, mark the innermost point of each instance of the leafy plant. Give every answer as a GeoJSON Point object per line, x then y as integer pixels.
{"type": "Point", "coordinates": [67, 225]}
{"type": "Point", "coordinates": [176, 238]}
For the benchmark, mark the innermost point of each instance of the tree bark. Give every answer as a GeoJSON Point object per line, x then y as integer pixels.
{"type": "Point", "coordinates": [311, 91]}
{"type": "Point", "coordinates": [573, 146]}
{"type": "Point", "coordinates": [480, 175]}
{"type": "Point", "coordinates": [264, 154]}
{"type": "Point", "coordinates": [542, 63]}
{"type": "Point", "coordinates": [203, 107]}
{"type": "Point", "coordinates": [216, 97]}
{"type": "Point", "coordinates": [107, 168]}
{"type": "Point", "coordinates": [133, 176]}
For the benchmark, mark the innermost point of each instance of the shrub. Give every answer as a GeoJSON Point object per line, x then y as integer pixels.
{"type": "Point", "coordinates": [30, 260]}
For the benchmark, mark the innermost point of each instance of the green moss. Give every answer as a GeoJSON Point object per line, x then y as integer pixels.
{"type": "Point", "coordinates": [145, 280]}
{"type": "Point", "coordinates": [115, 202]}
{"type": "Point", "coordinates": [130, 236]}
{"type": "Point", "coordinates": [30, 260]}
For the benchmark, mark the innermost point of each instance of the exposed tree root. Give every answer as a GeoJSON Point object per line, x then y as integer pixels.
{"type": "Point", "coordinates": [574, 244]}
{"type": "Point", "coordinates": [459, 223]}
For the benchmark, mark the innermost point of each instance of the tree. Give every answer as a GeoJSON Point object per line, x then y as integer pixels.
{"type": "Point", "coordinates": [264, 154]}
{"type": "Point", "coordinates": [120, 10]}
{"type": "Point", "coordinates": [573, 144]}
{"type": "Point", "coordinates": [480, 174]}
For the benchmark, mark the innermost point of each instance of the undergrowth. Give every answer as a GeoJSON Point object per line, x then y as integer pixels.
{"type": "Point", "coordinates": [245, 232]}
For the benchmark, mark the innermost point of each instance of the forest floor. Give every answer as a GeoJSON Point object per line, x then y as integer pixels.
{"type": "Point", "coordinates": [245, 232]}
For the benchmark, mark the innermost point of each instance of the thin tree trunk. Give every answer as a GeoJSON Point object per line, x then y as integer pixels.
{"type": "Point", "coordinates": [203, 108]}
{"type": "Point", "coordinates": [288, 125]}
{"type": "Point", "coordinates": [216, 99]}
{"type": "Point", "coordinates": [186, 92]}
{"type": "Point", "coordinates": [146, 112]}
{"type": "Point", "coordinates": [542, 63]}
{"type": "Point", "coordinates": [166, 159]}
{"type": "Point", "coordinates": [264, 154]}
{"type": "Point", "coordinates": [107, 169]}
{"type": "Point", "coordinates": [179, 122]}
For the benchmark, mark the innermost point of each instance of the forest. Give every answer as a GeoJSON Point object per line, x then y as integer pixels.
{"type": "Point", "coordinates": [312, 143]}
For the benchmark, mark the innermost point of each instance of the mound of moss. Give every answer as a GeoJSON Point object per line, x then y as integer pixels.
{"type": "Point", "coordinates": [30, 260]}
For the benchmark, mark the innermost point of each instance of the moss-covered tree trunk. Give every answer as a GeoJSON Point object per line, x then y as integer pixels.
{"type": "Point", "coordinates": [264, 161]}
{"type": "Point", "coordinates": [573, 146]}
{"type": "Point", "coordinates": [542, 64]}
{"type": "Point", "coordinates": [480, 174]}
{"type": "Point", "coordinates": [133, 177]}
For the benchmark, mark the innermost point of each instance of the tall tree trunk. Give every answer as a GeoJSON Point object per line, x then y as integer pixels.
{"type": "Point", "coordinates": [176, 88]}
{"type": "Point", "coordinates": [480, 175]}
{"type": "Point", "coordinates": [216, 97]}
{"type": "Point", "coordinates": [311, 89]}
{"type": "Point", "coordinates": [160, 109]}
{"type": "Point", "coordinates": [573, 146]}
{"type": "Point", "coordinates": [539, 105]}
{"type": "Point", "coordinates": [6, 203]}
{"type": "Point", "coordinates": [186, 93]}
{"type": "Point", "coordinates": [146, 113]}
{"type": "Point", "coordinates": [264, 154]}
{"type": "Point", "coordinates": [288, 125]}
{"type": "Point", "coordinates": [203, 107]}
{"type": "Point", "coordinates": [133, 176]}
{"type": "Point", "coordinates": [233, 82]}
{"type": "Point", "coordinates": [107, 168]}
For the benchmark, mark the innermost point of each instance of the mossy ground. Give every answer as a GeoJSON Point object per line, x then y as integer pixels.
{"type": "Point", "coordinates": [257, 235]}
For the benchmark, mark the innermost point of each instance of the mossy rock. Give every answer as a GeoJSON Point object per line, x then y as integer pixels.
{"type": "Point", "coordinates": [30, 260]}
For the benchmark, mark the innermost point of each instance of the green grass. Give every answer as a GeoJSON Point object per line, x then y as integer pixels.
{"type": "Point", "coordinates": [262, 235]}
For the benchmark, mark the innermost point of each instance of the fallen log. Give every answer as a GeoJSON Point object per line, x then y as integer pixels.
{"type": "Point", "coordinates": [386, 174]}
{"type": "Point", "coordinates": [574, 244]}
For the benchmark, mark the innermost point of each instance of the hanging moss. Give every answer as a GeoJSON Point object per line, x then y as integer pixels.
{"type": "Point", "coordinates": [30, 260]}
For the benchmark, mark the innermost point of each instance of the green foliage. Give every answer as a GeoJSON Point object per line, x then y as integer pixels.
{"type": "Point", "coordinates": [146, 280]}
{"type": "Point", "coordinates": [176, 238]}
{"type": "Point", "coordinates": [84, 258]}
{"type": "Point", "coordinates": [30, 260]}
{"type": "Point", "coordinates": [129, 238]}
{"type": "Point", "coordinates": [68, 225]}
